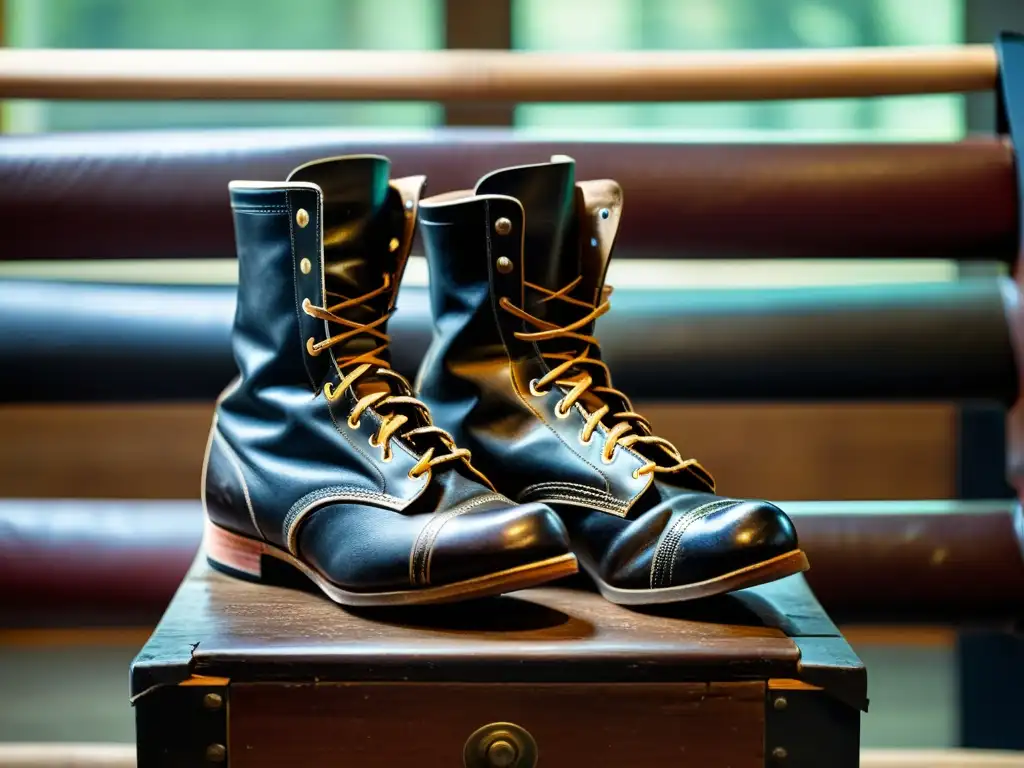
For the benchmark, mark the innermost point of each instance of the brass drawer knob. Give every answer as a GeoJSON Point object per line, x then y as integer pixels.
{"type": "Point", "coordinates": [500, 745]}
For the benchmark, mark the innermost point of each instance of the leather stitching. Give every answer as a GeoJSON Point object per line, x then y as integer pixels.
{"type": "Point", "coordinates": [667, 549]}
{"type": "Point", "coordinates": [423, 548]}
{"type": "Point", "coordinates": [335, 493]}
{"type": "Point", "coordinates": [234, 461]}
{"type": "Point", "coordinates": [571, 493]}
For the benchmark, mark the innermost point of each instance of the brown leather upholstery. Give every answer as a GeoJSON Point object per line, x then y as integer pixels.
{"type": "Point", "coordinates": [120, 561]}
{"type": "Point", "coordinates": [164, 195]}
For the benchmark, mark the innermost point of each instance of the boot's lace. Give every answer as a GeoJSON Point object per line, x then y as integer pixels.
{"type": "Point", "coordinates": [383, 402]}
{"type": "Point", "coordinates": [629, 427]}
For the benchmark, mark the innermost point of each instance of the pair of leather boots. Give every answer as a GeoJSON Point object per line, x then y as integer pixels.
{"type": "Point", "coordinates": [517, 457]}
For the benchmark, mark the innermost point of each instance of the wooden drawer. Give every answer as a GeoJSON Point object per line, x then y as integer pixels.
{"type": "Point", "coordinates": [382, 725]}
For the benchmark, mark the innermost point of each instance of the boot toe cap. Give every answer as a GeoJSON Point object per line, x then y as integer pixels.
{"type": "Point", "coordinates": [486, 542]}
{"type": "Point", "coordinates": [731, 539]}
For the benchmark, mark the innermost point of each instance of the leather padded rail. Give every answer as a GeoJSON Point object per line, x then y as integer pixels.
{"type": "Point", "coordinates": [123, 559]}
{"type": "Point", "coordinates": [152, 195]}
{"type": "Point", "coordinates": [930, 341]}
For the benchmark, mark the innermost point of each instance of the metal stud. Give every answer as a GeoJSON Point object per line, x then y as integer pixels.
{"type": "Point", "coordinates": [780, 753]}
{"type": "Point", "coordinates": [305, 265]}
{"type": "Point", "coordinates": [505, 265]}
{"type": "Point", "coordinates": [393, 245]}
{"type": "Point", "coordinates": [501, 754]}
{"type": "Point", "coordinates": [302, 217]}
{"type": "Point", "coordinates": [605, 213]}
{"type": "Point", "coordinates": [216, 753]}
{"type": "Point", "coordinates": [213, 701]}
{"type": "Point", "coordinates": [408, 205]}
{"type": "Point", "coordinates": [503, 226]}
{"type": "Point", "coordinates": [781, 703]}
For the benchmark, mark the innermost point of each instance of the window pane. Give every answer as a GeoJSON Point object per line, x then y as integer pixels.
{"type": "Point", "coordinates": [313, 24]}
{"type": "Point", "coordinates": [609, 25]}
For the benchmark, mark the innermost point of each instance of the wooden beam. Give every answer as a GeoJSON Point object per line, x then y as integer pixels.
{"type": "Point", "coordinates": [492, 76]}
{"type": "Point", "coordinates": [470, 24]}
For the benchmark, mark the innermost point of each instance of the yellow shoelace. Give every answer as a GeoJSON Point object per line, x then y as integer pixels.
{"type": "Point", "coordinates": [359, 365]}
{"type": "Point", "coordinates": [630, 427]}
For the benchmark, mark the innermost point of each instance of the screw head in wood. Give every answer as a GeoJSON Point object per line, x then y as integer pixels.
{"type": "Point", "coordinates": [302, 217]}
{"type": "Point", "coordinates": [505, 265]}
{"type": "Point", "coordinates": [503, 226]}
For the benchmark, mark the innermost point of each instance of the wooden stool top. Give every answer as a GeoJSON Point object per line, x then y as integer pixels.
{"type": "Point", "coordinates": [219, 626]}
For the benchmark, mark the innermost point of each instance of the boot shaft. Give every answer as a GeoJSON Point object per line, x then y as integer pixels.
{"type": "Point", "coordinates": [487, 252]}
{"type": "Point", "coordinates": [337, 229]}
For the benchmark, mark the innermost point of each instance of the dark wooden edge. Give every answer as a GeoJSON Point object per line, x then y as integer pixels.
{"type": "Point", "coordinates": [182, 725]}
{"type": "Point", "coordinates": [826, 659]}
{"type": "Point", "coordinates": [809, 729]}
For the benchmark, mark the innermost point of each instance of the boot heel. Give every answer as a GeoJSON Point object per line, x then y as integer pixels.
{"type": "Point", "coordinates": [239, 555]}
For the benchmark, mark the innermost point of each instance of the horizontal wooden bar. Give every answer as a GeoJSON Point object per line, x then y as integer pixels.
{"type": "Point", "coordinates": [493, 76]}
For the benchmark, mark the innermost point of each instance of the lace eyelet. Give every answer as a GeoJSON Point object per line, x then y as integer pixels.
{"type": "Point", "coordinates": [636, 473]}
{"type": "Point", "coordinates": [411, 476]}
{"type": "Point", "coordinates": [559, 412]}
{"type": "Point", "coordinates": [353, 424]}
{"type": "Point", "coordinates": [373, 442]}
{"type": "Point", "coordinates": [387, 456]}
{"type": "Point", "coordinates": [537, 392]}
{"type": "Point", "coordinates": [306, 304]}
{"type": "Point", "coordinates": [605, 460]}
{"type": "Point", "coordinates": [309, 347]}
{"type": "Point", "coordinates": [588, 441]}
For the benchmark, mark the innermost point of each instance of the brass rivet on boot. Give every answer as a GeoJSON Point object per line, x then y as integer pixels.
{"type": "Point", "coordinates": [503, 226]}
{"type": "Point", "coordinates": [302, 217]}
{"type": "Point", "coordinates": [305, 266]}
{"type": "Point", "coordinates": [393, 245]}
{"type": "Point", "coordinates": [504, 265]}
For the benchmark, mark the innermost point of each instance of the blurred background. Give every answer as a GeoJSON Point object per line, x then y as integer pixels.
{"type": "Point", "coordinates": [71, 684]}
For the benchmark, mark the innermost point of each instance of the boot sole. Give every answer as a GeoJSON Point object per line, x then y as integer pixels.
{"type": "Point", "coordinates": [242, 556]}
{"type": "Point", "coordinates": [760, 573]}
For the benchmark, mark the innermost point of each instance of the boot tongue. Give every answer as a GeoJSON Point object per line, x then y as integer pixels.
{"type": "Point", "coordinates": [362, 214]}
{"type": "Point", "coordinates": [550, 244]}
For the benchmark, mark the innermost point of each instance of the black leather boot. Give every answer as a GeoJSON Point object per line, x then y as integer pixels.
{"type": "Point", "coordinates": [517, 271]}
{"type": "Point", "coordinates": [319, 455]}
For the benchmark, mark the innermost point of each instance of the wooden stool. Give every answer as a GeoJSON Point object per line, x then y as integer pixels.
{"type": "Point", "coordinates": [266, 677]}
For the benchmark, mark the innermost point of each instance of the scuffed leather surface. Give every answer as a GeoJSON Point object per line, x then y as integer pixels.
{"type": "Point", "coordinates": [106, 195]}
